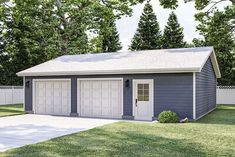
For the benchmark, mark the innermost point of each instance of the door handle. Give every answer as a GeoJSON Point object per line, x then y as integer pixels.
{"type": "Point", "coordinates": [136, 100]}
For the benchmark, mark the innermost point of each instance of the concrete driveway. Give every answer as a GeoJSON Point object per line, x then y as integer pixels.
{"type": "Point", "coordinates": [17, 131]}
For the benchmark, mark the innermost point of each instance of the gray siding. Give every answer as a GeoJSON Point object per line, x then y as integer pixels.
{"type": "Point", "coordinates": [73, 96]}
{"type": "Point", "coordinates": [205, 90]}
{"type": "Point", "coordinates": [28, 97]}
{"type": "Point", "coordinates": [174, 93]}
{"type": "Point", "coordinates": [171, 92]}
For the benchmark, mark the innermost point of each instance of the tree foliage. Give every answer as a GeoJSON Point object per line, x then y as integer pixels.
{"type": "Point", "coordinates": [199, 4]}
{"type": "Point", "coordinates": [35, 31]}
{"type": "Point", "coordinates": [173, 36]}
{"type": "Point", "coordinates": [218, 29]}
{"type": "Point", "coordinates": [109, 37]}
{"type": "Point", "coordinates": [148, 34]}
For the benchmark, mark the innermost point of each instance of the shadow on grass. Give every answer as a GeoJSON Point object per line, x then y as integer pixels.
{"type": "Point", "coordinates": [10, 110]}
{"type": "Point", "coordinates": [99, 142]}
{"type": "Point", "coordinates": [224, 114]}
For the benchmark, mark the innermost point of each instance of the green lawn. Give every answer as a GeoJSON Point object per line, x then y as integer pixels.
{"type": "Point", "coordinates": [214, 135]}
{"type": "Point", "coordinates": [11, 110]}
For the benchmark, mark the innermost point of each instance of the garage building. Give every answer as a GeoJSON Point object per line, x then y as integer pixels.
{"type": "Point", "coordinates": [130, 85]}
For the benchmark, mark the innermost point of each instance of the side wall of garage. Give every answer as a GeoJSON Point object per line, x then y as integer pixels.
{"type": "Point", "coordinates": [205, 90]}
{"type": "Point", "coordinates": [171, 92]}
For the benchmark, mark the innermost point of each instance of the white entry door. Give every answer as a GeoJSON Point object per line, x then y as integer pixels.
{"type": "Point", "coordinates": [101, 98]}
{"type": "Point", "coordinates": [52, 97]}
{"type": "Point", "coordinates": [143, 99]}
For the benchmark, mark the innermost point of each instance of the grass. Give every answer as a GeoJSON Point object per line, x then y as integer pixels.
{"type": "Point", "coordinates": [214, 135]}
{"type": "Point", "coordinates": [11, 110]}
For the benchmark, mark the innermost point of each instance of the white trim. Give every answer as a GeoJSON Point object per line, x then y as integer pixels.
{"type": "Point", "coordinates": [24, 93]}
{"type": "Point", "coordinates": [79, 97]}
{"type": "Point", "coordinates": [205, 113]}
{"type": "Point", "coordinates": [46, 80]}
{"type": "Point", "coordinates": [100, 79]}
{"type": "Point", "coordinates": [133, 95]}
{"type": "Point", "coordinates": [214, 62]}
{"type": "Point", "coordinates": [194, 95]}
{"type": "Point", "coordinates": [97, 79]}
{"type": "Point", "coordinates": [132, 71]}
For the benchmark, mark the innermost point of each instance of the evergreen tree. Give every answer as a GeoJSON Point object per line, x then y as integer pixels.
{"type": "Point", "coordinates": [148, 35]}
{"type": "Point", "coordinates": [173, 36]}
{"type": "Point", "coordinates": [218, 29]}
{"type": "Point", "coordinates": [110, 37]}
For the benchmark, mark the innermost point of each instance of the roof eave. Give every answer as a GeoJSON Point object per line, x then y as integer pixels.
{"type": "Point", "coordinates": [139, 71]}
{"type": "Point", "coordinates": [214, 63]}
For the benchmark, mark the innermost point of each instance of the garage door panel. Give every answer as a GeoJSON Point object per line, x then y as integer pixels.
{"type": "Point", "coordinates": [95, 84]}
{"type": "Point", "coordinates": [49, 109]}
{"type": "Point", "coordinates": [41, 110]}
{"type": "Point", "coordinates": [106, 103]}
{"type": "Point", "coordinates": [98, 96]}
{"type": "Point", "coordinates": [41, 90]}
{"type": "Point", "coordinates": [115, 85]}
{"type": "Point", "coordinates": [115, 95]}
{"type": "Point", "coordinates": [64, 93]}
{"type": "Point", "coordinates": [57, 92]}
{"type": "Point", "coordinates": [41, 93]}
{"type": "Point", "coordinates": [41, 85]}
{"type": "Point", "coordinates": [41, 101]}
{"type": "Point", "coordinates": [96, 103]}
{"type": "Point", "coordinates": [106, 111]}
{"type": "Point", "coordinates": [65, 102]}
{"type": "Point", "coordinates": [52, 97]}
{"type": "Point", "coordinates": [86, 103]}
{"type": "Point", "coordinates": [64, 85]}
{"type": "Point", "coordinates": [87, 112]}
{"type": "Point", "coordinates": [105, 94]}
{"type": "Point", "coordinates": [105, 84]}
{"type": "Point", "coordinates": [96, 111]}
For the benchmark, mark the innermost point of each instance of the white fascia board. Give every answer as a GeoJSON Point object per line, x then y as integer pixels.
{"type": "Point", "coordinates": [194, 95]}
{"type": "Point", "coordinates": [214, 63]}
{"type": "Point", "coordinates": [138, 71]}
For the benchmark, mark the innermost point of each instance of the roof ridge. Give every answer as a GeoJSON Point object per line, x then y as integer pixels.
{"type": "Point", "coordinates": [170, 49]}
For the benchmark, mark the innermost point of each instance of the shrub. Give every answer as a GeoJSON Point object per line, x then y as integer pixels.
{"type": "Point", "coordinates": [168, 117]}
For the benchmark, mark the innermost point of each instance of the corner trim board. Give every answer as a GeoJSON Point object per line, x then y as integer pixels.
{"type": "Point", "coordinates": [205, 113]}
{"type": "Point", "coordinates": [194, 95]}
{"type": "Point", "coordinates": [24, 93]}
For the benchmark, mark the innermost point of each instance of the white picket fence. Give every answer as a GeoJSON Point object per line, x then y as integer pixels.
{"type": "Point", "coordinates": [226, 95]}
{"type": "Point", "coordinates": [11, 95]}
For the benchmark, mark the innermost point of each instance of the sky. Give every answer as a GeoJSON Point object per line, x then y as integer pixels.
{"type": "Point", "coordinates": [185, 13]}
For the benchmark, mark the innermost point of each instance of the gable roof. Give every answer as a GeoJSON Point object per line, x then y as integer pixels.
{"type": "Point", "coordinates": [149, 61]}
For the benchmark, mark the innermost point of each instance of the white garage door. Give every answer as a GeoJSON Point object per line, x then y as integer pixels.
{"type": "Point", "coordinates": [101, 98]}
{"type": "Point", "coordinates": [52, 97]}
